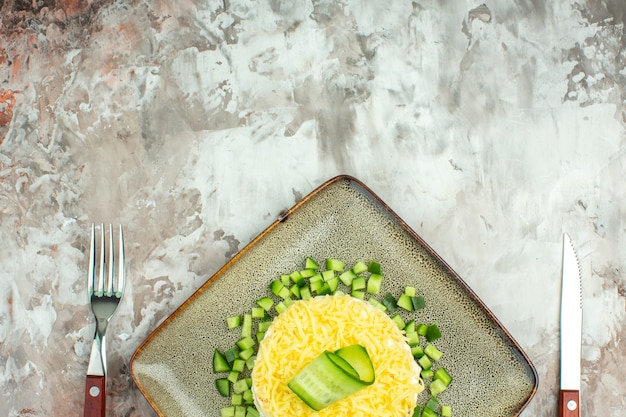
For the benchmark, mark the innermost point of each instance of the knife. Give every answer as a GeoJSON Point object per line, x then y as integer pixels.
{"type": "Point", "coordinates": [571, 332]}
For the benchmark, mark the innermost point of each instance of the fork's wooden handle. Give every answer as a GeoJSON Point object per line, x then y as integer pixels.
{"type": "Point", "coordinates": [569, 403]}
{"type": "Point", "coordinates": [95, 396]}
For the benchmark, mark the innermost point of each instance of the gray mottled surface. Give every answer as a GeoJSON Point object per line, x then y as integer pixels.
{"type": "Point", "coordinates": [490, 129]}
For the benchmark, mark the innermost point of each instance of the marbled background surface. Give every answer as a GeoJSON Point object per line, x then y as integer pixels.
{"type": "Point", "coordinates": [490, 129]}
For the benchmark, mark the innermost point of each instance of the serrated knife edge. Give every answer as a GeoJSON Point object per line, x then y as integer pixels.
{"type": "Point", "coordinates": [571, 331]}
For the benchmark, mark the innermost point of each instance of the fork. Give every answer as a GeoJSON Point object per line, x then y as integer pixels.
{"type": "Point", "coordinates": [105, 292]}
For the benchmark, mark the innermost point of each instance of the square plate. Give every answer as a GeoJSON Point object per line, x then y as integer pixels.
{"type": "Point", "coordinates": [341, 219]}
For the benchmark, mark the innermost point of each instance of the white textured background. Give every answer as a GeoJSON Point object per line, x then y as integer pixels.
{"type": "Point", "coordinates": [490, 129]}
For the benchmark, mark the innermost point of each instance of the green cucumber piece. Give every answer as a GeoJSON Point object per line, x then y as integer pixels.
{"type": "Point", "coordinates": [377, 304]}
{"type": "Point", "coordinates": [240, 411]}
{"type": "Point", "coordinates": [266, 303]}
{"type": "Point", "coordinates": [405, 302]}
{"type": "Point", "coordinates": [347, 277]}
{"type": "Point", "coordinates": [437, 387]}
{"type": "Point", "coordinates": [297, 278]}
{"type": "Point", "coordinates": [358, 283]}
{"type": "Point", "coordinates": [442, 375]}
{"type": "Point", "coordinates": [418, 302]}
{"type": "Point", "coordinates": [432, 332]}
{"type": "Point", "coordinates": [233, 322]}
{"type": "Point", "coordinates": [374, 268]}
{"type": "Point", "coordinates": [240, 386]}
{"type": "Point", "coordinates": [373, 283]}
{"type": "Point", "coordinates": [335, 265]}
{"type": "Point", "coordinates": [446, 411]}
{"type": "Point", "coordinates": [223, 386]}
{"type": "Point", "coordinates": [246, 327]}
{"type": "Point", "coordinates": [359, 268]}
{"type": "Point", "coordinates": [220, 363]}
{"type": "Point", "coordinates": [390, 302]}
{"type": "Point", "coordinates": [410, 291]}
{"type": "Point", "coordinates": [333, 376]}
{"type": "Point", "coordinates": [433, 353]}
{"type": "Point", "coordinates": [425, 362]}
{"type": "Point", "coordinates": [309, 263]}
{"type": "Point", "coordinates": [359, 359]}
{"type": "Point", "coordinates": [399, 321]}
{"type": "Point", "coordinates": [227, 412]}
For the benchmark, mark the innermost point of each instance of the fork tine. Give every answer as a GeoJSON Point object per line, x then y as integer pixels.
{"type": "Point", "coordinates": [101, 276]}
{"type": "Point", "coordinates": [92, 261]}
{"type": "Point", "coordinates": [110, 263]}
{"type": "Point", "coordinates": [121, 275]}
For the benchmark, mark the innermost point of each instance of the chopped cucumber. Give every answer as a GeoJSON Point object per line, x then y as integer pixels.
{"type": "Point", "coordinates": [309, 263]}
{"type": "Point", "coordinates": [442, 375]}
{"type": "Point", "coordinates": [359, 268]}
{"type": "Point", "coordinates": [433, 353]}
{"type": "Point", "coordinates": [374, 283]}
{"type": "Point", "coordinates": [266, 303]}
{"type": "Point", "coordinates": [374, 268]}
{"type": "Point", "coordinates": [246, 327]}
{"type": "Point", "coordinates": [432, 332]}
{"type": "Point", "coordinates": [238, 365]}
{"type": "Point", "coordinates": [377, 304]}
{"type": "Point", "coordinates": [437, 387]}
{"type": "Point", "coordinates": [223, 386]}
{"type": "Point", "coordinates": [347, 277]}
{"type": "Point", "coordinates": [399, 321]}
{"type": "Point", "coordinates": [252, 412]}
{"type": "Point", "coordinates": [410, 291]}
{"type": "Point", "coordinates": [358, 283]}
{"type": "Point", "coordinates": [390, 302]}
{"type": "Point", "coordinates": [328, 275]}
{"type": "Point", "coordinates": [240, 386]}
{"type": "Point", "coordinates": [425, 362]}
{"type": "Point", "coordinates": [405, 302]}
{"type": "Point", "coordinates": [418, 302]}
{"type": "Point", "coordinates": [233, 376]}
{"type": "Point", "coordinates": [358, 294]}
{"type": "Point", "coordinates": [240, 411]}
{"type": "Point", "coordinates": [231, 354]}
{"type": "Point", "coordinates": [412, 339]}
{"type": "Point", "coordinates": [335, 265]}
{"type": "Point", "coordinates": [245, 343]}
{"type": "Point", "coordinates": [258, 312]}
{"type": "Point", "coordinates": [227, 412]}
{"type": "Point", "coordinates": [297, 279]}
{"type": "Point", "coordinates": [220, 363]}
{"type": "Point", "coordinates": [446, 411]}
{"type": "Point", "coordinates": [233, 322]}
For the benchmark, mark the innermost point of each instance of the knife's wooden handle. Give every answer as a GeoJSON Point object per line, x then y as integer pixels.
{"type": "Point", "coordinates": [95, 396]}
{"type": "Point", "coordinates": [569, 403]}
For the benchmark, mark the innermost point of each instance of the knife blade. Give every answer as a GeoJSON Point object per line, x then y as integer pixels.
{"type": "Point", "coordinates": [571, 332]}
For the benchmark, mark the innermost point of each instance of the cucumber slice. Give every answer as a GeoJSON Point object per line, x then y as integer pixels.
{"type": "Point", "coordinates": [359, 268]}
{"type": "Point", "coordinates": [359, 359]}
{"type": "Point", "coordinates": [374, 283]}
{"type": "Point", "coordinates": [223, 386]}
{"type": "Point", "coordinates": [309, 263]}
{"type": "Point", "coordinates": [335, 265]}
{"type": "Point", "coordinates": [220, 364]}
{"type": "Point", "coordinates": [374, 268]}
{"type": "Point", "coordinates": [333, 376]}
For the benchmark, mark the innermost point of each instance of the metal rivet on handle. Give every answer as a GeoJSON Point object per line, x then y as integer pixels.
{"type": "Point", "coordinates": [571, 405]}
{"type": "Point", "coordinates": [95, 391]}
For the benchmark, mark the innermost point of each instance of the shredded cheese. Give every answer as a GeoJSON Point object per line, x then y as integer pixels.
{"type": "Point", "coordinates": [307, 328]}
